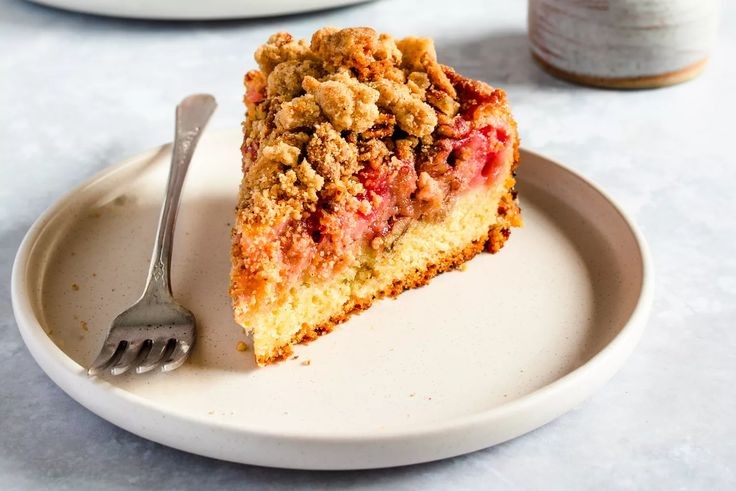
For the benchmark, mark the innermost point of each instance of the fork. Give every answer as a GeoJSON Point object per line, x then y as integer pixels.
{"type": "Point", "coordinates": [157, 331]}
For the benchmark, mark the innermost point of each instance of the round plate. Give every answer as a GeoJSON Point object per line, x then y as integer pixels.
{"type": "Point", "coordinates": [475, 358]}
{"type": "Point", "coordinates": [195, 9]}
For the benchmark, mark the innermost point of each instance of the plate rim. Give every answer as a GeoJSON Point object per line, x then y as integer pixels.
{"type": "Point", "coordinates": [94, 393]}
{"type": "Point", "coordinates": [172, 10]}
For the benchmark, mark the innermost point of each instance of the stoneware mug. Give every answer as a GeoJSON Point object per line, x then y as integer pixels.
{"type": "Point", "coordinates": [627, 44]}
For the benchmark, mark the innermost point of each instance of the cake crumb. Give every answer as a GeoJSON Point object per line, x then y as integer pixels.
{"type": "Point", "coordinates": [84, 326]}
{"type": "Point", "coordinates": [241, 346]}
{"type": "Point", "coordinates": [463, 267]}
{"type": "Point", "coordinates": [295, 357]}
{"type": "Point", "coordinates": [306, 363]}
{"type": "Point", "coordinates": [75, 287]}
{"type": "Point", "coordinates": [210, 412]}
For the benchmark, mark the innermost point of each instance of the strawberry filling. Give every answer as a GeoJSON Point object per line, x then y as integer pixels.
{"type": "Point", "coordinates": [462, 157]}
{"type": "Point", "coordinates": [479, 156]}
{"type": "Point", "coordinates": [476, 159]}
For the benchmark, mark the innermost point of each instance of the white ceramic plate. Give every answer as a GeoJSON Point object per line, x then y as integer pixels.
{"type": "Point", "coordinates": [473, 359]}
{"type": "Point", "coordinates": [195, 9]}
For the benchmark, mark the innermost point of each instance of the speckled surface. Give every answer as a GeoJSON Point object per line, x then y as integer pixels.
{"type": "Point", "coordinates": [78, 93]}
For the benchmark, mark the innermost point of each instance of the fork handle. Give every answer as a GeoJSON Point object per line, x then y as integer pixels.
{"type": "Point", "coordinates": [192, 115]}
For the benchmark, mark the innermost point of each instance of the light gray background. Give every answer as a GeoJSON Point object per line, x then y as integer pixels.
{"type": "Point", "coordinates": [78, 93]}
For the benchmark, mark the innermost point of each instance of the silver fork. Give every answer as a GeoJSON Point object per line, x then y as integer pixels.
{"type": "Point", "coordinates": [157, 331]}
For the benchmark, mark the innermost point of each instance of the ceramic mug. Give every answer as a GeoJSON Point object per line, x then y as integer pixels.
{"type": "Point", "coordinates": [623, 43]}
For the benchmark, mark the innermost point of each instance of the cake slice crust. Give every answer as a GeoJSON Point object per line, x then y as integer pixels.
{"type": "Point", "coordinates": [369, 168]}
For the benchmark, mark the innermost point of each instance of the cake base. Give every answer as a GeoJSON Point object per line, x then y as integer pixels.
{"type": "Point", "coordinates": [406, 267]}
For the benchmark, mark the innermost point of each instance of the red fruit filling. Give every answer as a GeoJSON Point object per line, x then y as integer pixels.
{"type": "Point", "coordinates": [460, 158]}
{"type": "Point", "coordinates": [455, 164]}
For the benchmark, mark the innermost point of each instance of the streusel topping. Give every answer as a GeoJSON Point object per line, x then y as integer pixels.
{"type": "Point", "coordinates": [347, 137]}
{"type": "Point", "coordinates": [318, 113]}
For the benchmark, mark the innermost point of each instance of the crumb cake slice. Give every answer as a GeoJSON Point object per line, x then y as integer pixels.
{"type": "Point", "coordinates": [369, 168]}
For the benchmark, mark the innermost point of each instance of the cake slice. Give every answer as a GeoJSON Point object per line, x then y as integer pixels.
{"type": "Point", "coordinates": [369, 168]}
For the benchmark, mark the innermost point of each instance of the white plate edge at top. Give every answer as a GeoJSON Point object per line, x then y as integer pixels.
{"type": "Point", "coordinates": [192, 10]}
{"type": "Point", "coordinates": [451, 434]}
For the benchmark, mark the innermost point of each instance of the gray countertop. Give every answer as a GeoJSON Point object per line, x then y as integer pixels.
{"type": "Point", "coordinates": [78, 93]}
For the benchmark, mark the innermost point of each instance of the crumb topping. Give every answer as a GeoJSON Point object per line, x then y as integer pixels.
{"type": "Point", "coordinates": [344, 136]}
{"type": "Point", "coordinates": [413, 115]}
{"type": "Point", "coordinates": [347, 103]}
{"type": "Point", "coordinates": [279, 48]}
{"type": "Point", "coordinates": [358, 49]}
